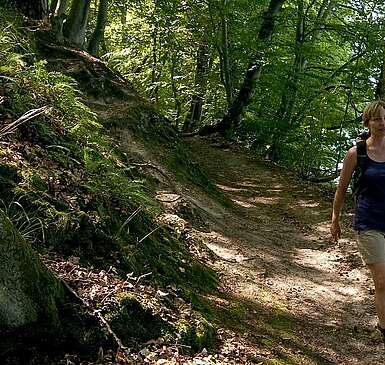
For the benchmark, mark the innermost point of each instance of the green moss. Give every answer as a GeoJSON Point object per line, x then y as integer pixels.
{"type": "Point", "coordinates": [170, 263]}
{"type": "Point", "coordinates": [30, 291]}
{"type": "Point", "coordinates": [8, 178]}
{"type": "Point", "coordinates": [197, 337]}
{"type": "Point", "coordinates": [135, 323]}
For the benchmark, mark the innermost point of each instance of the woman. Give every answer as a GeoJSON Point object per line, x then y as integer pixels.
{"type": "Point", "coordinates": [369, 221]}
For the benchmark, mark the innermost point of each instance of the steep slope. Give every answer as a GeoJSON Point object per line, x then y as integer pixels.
{"type": "Point", "coordinates": [180, 214]}
{"type": "Point", "coordinates": [288, 294]}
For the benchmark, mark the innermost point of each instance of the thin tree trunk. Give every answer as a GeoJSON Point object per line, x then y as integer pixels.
{"type": "Point", "coordinates": [289, 93]}
{"type": "Point", "coordinates": [154, 74]}
{"type": "Point", "coordinates": [285, 110]}
{"type": "Point", "coordinates": [380, 88]}
{"type": "Point", "coordinates": [178, 105]}
{"type": "Point", "coordinates": [53, 6]}
{"type": "Point", "coordinates": [58, 19]}
{"type": "Point", "coordinates": [123, 22]}
{"type": "Point", "coordinates": [203, 65]}
{"type": "Point", "coordinates": [76, 24]}
{"type": "Point", "coordinates": [225, 55]}
{"type": "Point", "coordinates": [98, 34]}
{"type": "Point", "coordinates": [245, 95]}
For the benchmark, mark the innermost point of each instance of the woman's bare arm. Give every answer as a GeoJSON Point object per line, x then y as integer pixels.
{"type": "Point", "coordinates": [349, 165]}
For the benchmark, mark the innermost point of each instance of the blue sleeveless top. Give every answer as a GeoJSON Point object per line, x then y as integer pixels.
{"type": "Point", "coordinates": [370, 203]}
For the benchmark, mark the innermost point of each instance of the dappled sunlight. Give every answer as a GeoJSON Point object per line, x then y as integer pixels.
{"type": "Point", "coordinates": [275, 252]}
{"type": "Point", "coordinates": [273, 190]}
{"type": "Point", "coordinates": [249, 184]}
{"type": "Point", "coordinates": [266, 200]}
{"type": "Point", "coordinates": [229, 188]}
{"type": "Point", "coordinates": [225, 253]}
{"type": "Point", "coordinates": [243, 203]}
{"type": "Point", "coordinates": [308, 203]}
{"type": "Point", "coordinates": [316, 259]}
{"type": "Point", "coordinates": [321, 229]}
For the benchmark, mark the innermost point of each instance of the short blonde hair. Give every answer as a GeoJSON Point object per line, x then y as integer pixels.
{"type": "Point", "coordinates": [371, 110]}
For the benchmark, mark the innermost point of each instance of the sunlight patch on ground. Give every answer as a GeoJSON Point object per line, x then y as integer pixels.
{"type": "Point", "coordinates": [225, 253]}
{"type": "Point", "coordinates": [266, 200]}
{"type": "Point", "coordinates": [249, 184]}
{"type": "Point", "coordinates": [229, 188]}
{"type": "Point", "coordinates": [321, 229]}
{"type": "Point", "coordinates": [307, 203]}
{"type": "Point", "coordinates": [316, 259]}
{"type": "Point", "coordinates": [243, 203]}
{"type": "Point", "coordinates": [223, 247]}
{"type": "Point", "coordinates": [274, 190]}
{"type": "Point", "coordinates": [349, 290]}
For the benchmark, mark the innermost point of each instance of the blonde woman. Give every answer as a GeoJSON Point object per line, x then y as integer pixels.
{"type": "Point", "coordinates": [369, 219]}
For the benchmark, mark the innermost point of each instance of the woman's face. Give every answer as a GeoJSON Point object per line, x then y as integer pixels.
{"type": "Point", "coordinates": [377, 123]}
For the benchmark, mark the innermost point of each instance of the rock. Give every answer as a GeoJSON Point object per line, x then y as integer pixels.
{"type": "Point", "coordinates": [29, 292]}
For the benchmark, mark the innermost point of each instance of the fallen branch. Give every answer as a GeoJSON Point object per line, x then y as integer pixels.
{"type": "Point", "coordinates": [142, 276]}
{"type": "Point", "coordinates": [122, 350]}
{"type": "Point", "coordinates": [148, 165]}
{"type": "Point", "coordinates": [142, 239]}
{"type": "Point", "coordinates": [10, 128]}
{"type": "Point", "coordinates": [128, 220]}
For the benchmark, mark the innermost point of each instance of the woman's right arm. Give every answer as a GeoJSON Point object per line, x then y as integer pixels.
{"type": "Point", "coordinates": [348, 167]}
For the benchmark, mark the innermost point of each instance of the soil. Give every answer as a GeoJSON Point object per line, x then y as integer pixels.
{"type": "Point", "coordinates": [289, 295]}
{"type": "Point", "coordinates": [304, 299]}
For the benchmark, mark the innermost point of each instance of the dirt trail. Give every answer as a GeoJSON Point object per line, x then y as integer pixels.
{"type": "Point", "coordinates": [290, 295]}
{"type": "Point", "coordinates": [304, 299]}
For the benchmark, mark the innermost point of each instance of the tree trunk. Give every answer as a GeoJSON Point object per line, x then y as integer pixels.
{"type": "Point", "coordinates": [58, 19]}
{"type": "Point", "coordinates": [245, 95]}
{"type": "Point", "coordinates": [224, 55]}
{"type": "Point", "coordinates": [29, 292]}
{"type": "Point", "coordinates": [33, 9]}
{"type": "Point", "coordinates": [202, 67]}
{"type": "Point", "coordinates": [178, 105]}
{"type": "Point", "coordinates": [98, 34]}
{"type": "Point", "coordinates": [380, 88]}
{"type": "Point", "coordinates": [123, 22]}
{"type": "Point", "coordinates": [289, 92]}
{"type": "Point", "coordinates": [284, 114]}
{"type": "Point", "coordinates": [76, 24]}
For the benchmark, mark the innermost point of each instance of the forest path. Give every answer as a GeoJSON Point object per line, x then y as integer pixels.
{"type": "Point", "coordinates": [289, 295]}
{"type": "Point", "coordinates": [294, 296]}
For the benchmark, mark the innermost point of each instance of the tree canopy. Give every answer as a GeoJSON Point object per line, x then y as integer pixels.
{"type": "Point", "coordinates": [288, 77]}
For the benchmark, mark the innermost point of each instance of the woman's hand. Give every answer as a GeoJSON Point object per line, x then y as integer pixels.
{"type": "Point", "coordinates": [335, 230]}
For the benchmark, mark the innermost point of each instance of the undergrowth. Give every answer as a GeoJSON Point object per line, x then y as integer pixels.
{"type": "Point", "coordinates": [71, 184]}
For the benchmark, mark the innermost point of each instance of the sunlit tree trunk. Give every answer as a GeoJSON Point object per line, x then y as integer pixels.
{"type": "Point", "coordinates": [289, 94]}
{"type": "Point", "coordinates": [76, 24]}
{"type": "Point", "coordinates": [222, 45]}
{"type": "Point", "coordinates": [224, 54]}
{"type": "Point", "coordinates": [245, 95]}
{"type": "Point", "coordinates": [123, 22]}
{"type": "Point", "coordinates": [203, 65]}
{"type": "Point", "coordinates": [58, 15]}
{"type": "Point", "coordinates": [98, 34]}
{"type": "Point", "coordinates": [178, 105]}
{"type": "Point", "coordinates": [380, 88]}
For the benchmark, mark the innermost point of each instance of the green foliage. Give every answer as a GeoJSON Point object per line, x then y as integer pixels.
{"type": "Point", "coordinates": [203, 335]}
{"type": "Point", "coordinates": [135, 323]}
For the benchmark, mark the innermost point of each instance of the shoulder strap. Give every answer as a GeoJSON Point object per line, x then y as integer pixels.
{"type": "Point", "coordinates": [362, 154]}
{"type": "Point", "coordinates": [362, 157]}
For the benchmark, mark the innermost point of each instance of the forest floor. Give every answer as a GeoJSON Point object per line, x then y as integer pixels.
{"type": "Point", "coordinates": [299, 298]}
{"type": "Point", "coordinates": [288, 294]}
{"type": "Point", "coordinates": [306, 299]}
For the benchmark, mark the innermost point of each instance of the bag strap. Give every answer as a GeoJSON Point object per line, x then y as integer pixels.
{"type": "Point", "coordinates": [362, 154]}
